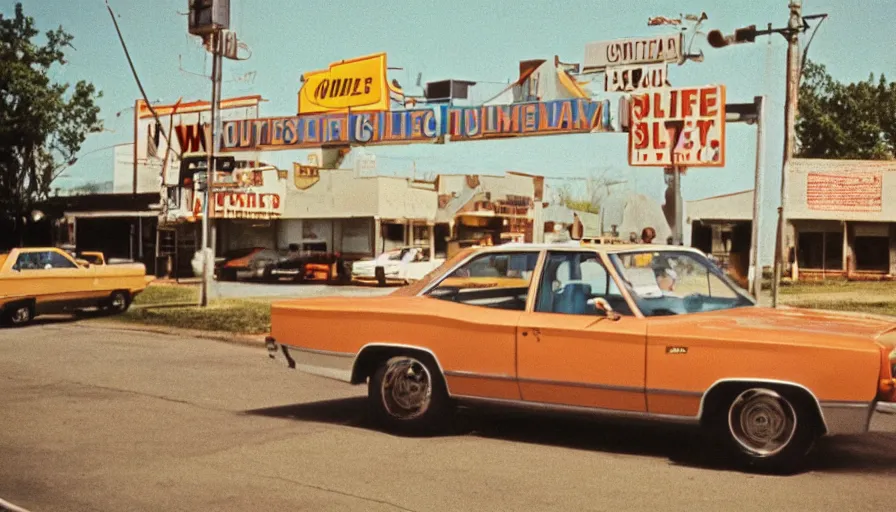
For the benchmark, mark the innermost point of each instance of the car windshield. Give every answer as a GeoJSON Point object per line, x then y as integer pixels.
{"type": "Point", "coordinates": [677, 282]}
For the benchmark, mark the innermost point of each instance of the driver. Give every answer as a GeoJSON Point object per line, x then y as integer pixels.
{"type": "Point", "coordinates": [666, 279]}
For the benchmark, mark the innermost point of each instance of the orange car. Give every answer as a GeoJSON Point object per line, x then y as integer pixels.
{"type": "Point", "coordinates": [624, 330]}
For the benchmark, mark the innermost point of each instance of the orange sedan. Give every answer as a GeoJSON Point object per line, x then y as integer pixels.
{"type": "Point", "coordinates": [623, 330]}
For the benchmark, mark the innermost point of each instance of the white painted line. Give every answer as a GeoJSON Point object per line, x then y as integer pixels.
{"type": "Point", "coordinates": [5, 505]}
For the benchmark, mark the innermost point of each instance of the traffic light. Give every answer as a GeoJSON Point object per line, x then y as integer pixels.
{"type": "Point", "coordinates": [741, 35]}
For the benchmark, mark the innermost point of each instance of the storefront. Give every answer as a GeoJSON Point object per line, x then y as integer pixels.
{"type": "Point", "coordinates": [839, 222]}
{"type": "Point", "coordinates": [335, 211]}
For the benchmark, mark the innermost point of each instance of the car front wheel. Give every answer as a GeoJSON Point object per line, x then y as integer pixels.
{"type": "Point", "coordinates": [407, 395]}
{"type": "Point", "coordinates": [768, 430]}
{"type": "Point", "coordinates": [20, 315]}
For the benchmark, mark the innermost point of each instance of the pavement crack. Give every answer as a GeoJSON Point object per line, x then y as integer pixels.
{"type": "Point", "coordinates": [147, 395]}
{"type": "Point", "coordinates": [341, 493]}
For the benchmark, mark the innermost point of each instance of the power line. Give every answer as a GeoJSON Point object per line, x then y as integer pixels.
{"type": "Point", "coordinates": [137, 79]}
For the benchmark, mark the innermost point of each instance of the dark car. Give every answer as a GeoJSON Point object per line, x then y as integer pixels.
{"type": "Point", "coordinates": [246, 263]}
{"type": "Point", "coordinates": [310, 262]}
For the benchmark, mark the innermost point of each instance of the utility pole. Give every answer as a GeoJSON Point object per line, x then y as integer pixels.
{"type": "Point", "coordinates": [790, 109]}
{"type": "Point", "coordinates": [208, 196]}
{"type": "Point", "coordinates": [755, 272]}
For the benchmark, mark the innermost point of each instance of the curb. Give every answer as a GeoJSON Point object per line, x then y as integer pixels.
{"type": "Point", "coordinates": [255, 340]}
{"type": "Point", "coordinates": [886, 408]}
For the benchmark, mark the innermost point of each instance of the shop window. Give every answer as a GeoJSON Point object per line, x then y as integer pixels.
{"type": "Point", "coordinates": [872, 253]}
{"type": "Point", "coordinates": [833, 251]}
{"type": "Point", "coordinates": [810, 248]}
{"type": "Point", "coordinates": [356, 236]}
{"type": "Point", "coordinates": [821, 251]}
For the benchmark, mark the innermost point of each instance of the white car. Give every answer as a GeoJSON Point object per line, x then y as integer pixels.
{"type": "Point", "coordinates": [404, 264]}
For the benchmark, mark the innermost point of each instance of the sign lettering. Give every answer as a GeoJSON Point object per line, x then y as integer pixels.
{"type": "Point", "coordinates": [627, 52]}
{"type": "Point", "coordinates": [635, 78]}
{"type": "Point", "coordinates": [844, 192]}
{"type": "Point", "coordinates": [356, 84]}
{"type": "Point", "coordinates": [417, 125]}
{"type": "Point", "coordinates": [683, 126]}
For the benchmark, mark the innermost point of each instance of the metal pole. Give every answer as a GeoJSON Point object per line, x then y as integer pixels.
{"type": "Point", "coordinates": [790, 107]}
{"type": "Point", "coordinates": [678, 230]}
{"type": "Point", "coordinates": [206, 209]}
{"type": "Point", "coordinates": [213, 149]}
{"type": "Point", "coordinates": [755, 273]}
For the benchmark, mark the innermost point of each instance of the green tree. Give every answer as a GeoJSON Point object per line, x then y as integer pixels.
{"type": "Point", "coordinates": [845, 121]}
{"type": "Point", "coordinates": [42, 123]}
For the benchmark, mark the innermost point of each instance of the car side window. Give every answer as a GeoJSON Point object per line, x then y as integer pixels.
{"type": "Point", "coordinates": [571, 280]}
{"type": "Point", "coordinates": [492, 280]}
{"type": "Point", "coordinates": [59, 261]}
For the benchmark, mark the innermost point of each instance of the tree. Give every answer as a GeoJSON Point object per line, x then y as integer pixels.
{"type": "Point", "coordinates": [589, 199]}
{"type": "Point", "coordinates": [845, 121]}
{"type": "Point", "coordinates": [42, 123]}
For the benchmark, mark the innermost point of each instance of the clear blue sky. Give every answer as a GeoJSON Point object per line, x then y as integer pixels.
{"type": "Point", "coordinates": [464, 39]}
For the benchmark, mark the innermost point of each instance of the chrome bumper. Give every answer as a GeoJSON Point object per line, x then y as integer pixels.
{"type": "Point", "coordinates": [323, 363]}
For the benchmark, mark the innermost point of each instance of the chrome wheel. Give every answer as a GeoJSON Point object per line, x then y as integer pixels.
{"type": "Point", "coordinates": [119, 302]}
{"type": "Point", "coordinates": [406, 388]}
{"type": "Point", "coordinates": [762, 422]}
{"type": "Point", "coordinates": [21, 315]}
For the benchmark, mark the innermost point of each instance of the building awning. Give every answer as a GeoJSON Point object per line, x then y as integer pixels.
{"type": "Point", "coordinates": [110, 214]}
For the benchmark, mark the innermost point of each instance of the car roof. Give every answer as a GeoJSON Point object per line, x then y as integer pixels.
{"type": "Point", "coordinates": [603, 248]}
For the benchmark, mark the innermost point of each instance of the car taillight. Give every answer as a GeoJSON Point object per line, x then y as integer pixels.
{"type": "Point", "coordinates": [887, 387]}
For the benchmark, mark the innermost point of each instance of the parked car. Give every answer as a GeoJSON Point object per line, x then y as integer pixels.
{"type": "Point", "coordinates": [631, 331]}
{"type": "Point", "coordinates": [309, 261]}
{"type": "Point", "coordinates": [41, 280]}
{"type": "Point", "coordinates": [405, 264]}
{"type": "Point", "coordinates": [247, 263]}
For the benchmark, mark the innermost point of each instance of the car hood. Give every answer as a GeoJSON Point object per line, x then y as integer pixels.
{"type": "Point", "coordinates": [793, 325]}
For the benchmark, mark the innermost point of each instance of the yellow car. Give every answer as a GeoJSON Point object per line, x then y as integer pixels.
{"type": "Point", "coordinates": [40, 280]}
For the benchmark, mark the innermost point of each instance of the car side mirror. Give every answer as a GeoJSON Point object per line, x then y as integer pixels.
{"type": "Point", "coordinates": [603, 306]}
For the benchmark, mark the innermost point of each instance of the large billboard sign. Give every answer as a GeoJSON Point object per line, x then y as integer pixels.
{"type": "Point", "coordinates": [186, 124]}
{"type": "Point", "coordinates": [417, 125]}
{"type": "Point", "coordinates": [632, 52]}
{"type": "Point", "coordinates": [357, 84]}
{"type": "Point", "coordinates": [682, 126]}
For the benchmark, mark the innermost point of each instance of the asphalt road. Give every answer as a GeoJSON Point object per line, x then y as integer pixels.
{"type": "Point", "coordinates": [103, 419]}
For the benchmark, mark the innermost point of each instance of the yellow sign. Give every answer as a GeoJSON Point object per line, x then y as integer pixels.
{"type": "Point", "coordinates": [357, 84]}
{"type": "Point", "coordinates": [305, 176]}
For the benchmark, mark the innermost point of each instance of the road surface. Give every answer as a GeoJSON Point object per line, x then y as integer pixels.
{"type": "Point", "coordinates": [95, 418]}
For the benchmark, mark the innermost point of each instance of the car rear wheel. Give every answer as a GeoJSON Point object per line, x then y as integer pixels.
{"type": "Point", "coordinates": [19, 315]}
{"type": "Point", "coordinates": [407, 395]}
{"type": "Point", "coordinates": [767, 429]}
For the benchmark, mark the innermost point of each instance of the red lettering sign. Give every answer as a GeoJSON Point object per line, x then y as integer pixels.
{"type": "Point", "coordinates": [683, 126]}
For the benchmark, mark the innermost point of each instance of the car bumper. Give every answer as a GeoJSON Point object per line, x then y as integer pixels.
{"type": "Point", "coordinates": [285, 272]}
{"type": "Point", "coordinates": [333, 365]}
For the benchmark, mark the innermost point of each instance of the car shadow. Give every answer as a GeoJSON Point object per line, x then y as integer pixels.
{"type": "Point", "coordinates": [680, 445]}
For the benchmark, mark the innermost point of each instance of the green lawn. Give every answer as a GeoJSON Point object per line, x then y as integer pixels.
{"type": "Point", "coordinates": [877, 298]}
{"type": "Point", "coordinates": [167, 305]}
